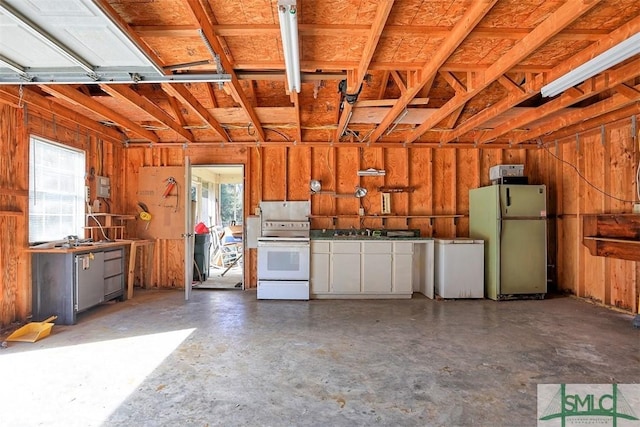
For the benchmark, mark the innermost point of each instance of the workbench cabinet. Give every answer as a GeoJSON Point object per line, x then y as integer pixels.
{"type": "Point", "coordinates": [66, 282]}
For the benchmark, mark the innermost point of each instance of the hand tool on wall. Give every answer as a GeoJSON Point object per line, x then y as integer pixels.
{"type": "Point", "coordinates": [171, 183]}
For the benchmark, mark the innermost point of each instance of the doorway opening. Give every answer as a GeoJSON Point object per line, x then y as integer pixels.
{"type": "Point", "coordinates": [217, 197]}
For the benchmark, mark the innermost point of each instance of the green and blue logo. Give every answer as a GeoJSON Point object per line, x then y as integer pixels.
{"type": "Point", "coordinates": [584, 404]}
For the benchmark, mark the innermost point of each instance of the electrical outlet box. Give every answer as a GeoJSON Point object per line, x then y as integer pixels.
{"type": "Point", "coordinates": [361, 211]}
{"type": "Point", "coordinates": [386, 203]}
{"type": "Point", "coordinates": [636, 208]}
{"type": "Point", "coordinates": [103, 187]}
{"type": "Point", "coordinates": [87, 194]}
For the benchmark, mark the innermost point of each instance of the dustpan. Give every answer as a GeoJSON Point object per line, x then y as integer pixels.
{"type": "Point", "coordinates": [33, 331]}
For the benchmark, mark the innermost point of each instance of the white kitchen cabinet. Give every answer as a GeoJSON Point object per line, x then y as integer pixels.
{"type": "Point", "coordinates": [370, 269]}
{"type": "Point", "coordinates": [320, 267]}
{"type": "Point", "coordinates": [402, 268]}
{"type": "Point", "coordinates": [345, 268]}
{"type": "Point", "coordinates": [376, 267]}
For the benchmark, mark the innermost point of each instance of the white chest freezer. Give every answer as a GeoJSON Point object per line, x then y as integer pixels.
{"type": "Point", "coordinates": [459, 268]}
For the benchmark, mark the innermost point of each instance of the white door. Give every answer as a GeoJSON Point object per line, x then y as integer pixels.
{"type": "Point", "coordinates": [188, 235]}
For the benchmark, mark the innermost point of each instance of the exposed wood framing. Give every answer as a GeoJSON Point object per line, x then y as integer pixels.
{"type": "Point", "coordinates": [234, 85]}
{"type": "Point", "coordinates": [126, 93]}
{"type": "Point", "coordinates": [465, 25]}
{"type": "Point", "coordinates": [354, 79]}
{"type": "Point", "coordinates": [564, 16]}
{"type": "Point", "coordinates": [75, 97]}
{"type": "Point", "coordinates": [183, 95]}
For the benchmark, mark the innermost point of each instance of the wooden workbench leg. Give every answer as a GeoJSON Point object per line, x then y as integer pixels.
{"type": "Point", "coordinates": [149, 258]}
{"type": "Point", "coordinates": [132, 268]}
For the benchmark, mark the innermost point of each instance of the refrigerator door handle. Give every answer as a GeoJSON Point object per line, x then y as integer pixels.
{"type": "Point", "coordinates": [508, 197]}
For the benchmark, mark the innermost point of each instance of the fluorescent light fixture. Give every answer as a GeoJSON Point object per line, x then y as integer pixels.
{"type": "Point", "coordinates": [288, 15]}
{"type": "Point", "coordinates": [600, 63]}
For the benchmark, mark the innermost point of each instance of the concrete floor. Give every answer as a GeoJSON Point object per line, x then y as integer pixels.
{"type": "Point", "coordinates": [225, 359]}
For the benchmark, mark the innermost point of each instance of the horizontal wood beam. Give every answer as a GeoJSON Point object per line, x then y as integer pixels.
{"type": "Point", "coordinates": [181, 93]}
{"type": "Point", "coordinates": [127, 94]}
{"type": "Point", "coordinates": [533, 85]}
{"type": "Point", "coordinates": [473, 15]}
{"type": "Point", "coordinates": [585, 90]}
{"type": "Point", "coordinates": [69, 94]}
{"type": "Point", "coordinates": [575, 127]}
{"type": "Point", "coordinates": [46, 105]}
{"type": "Point", "coordinates": [273, 30]}
{"type": "Point", "coordinates": [236, 90]}
{"type": "Point", "coordinates": [552, 25]}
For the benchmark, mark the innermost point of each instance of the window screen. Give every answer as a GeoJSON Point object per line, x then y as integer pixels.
{"type": "Point", "coordinates": [56, 191]}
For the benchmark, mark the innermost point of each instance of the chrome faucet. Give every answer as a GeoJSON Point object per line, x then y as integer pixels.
{"type": "Point", "coordinates": [368, 232]}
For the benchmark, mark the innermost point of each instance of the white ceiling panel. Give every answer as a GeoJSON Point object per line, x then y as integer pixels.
{"type": "Point", "coordinates": [77, 27]}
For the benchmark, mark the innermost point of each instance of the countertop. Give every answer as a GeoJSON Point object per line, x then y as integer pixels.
{"type": "Point", "coordinates": [81, 248]}
{"type": "Point", "coordinates": [350, 234]}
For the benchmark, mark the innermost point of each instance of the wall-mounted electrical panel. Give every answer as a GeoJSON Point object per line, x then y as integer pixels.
{"type": "Point", "coordinates": [103, 187]}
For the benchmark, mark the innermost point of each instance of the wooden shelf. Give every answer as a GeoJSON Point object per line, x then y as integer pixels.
{"type": "Point", "coordinates": [106, 221]}
{"type": "Point", "coordinates": [384, 218]}
{"type": "Point", "coordinates": [612, 235]}
{"type": "Point", "coordinates": [10, 213]}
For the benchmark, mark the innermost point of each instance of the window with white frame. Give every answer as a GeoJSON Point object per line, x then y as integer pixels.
{"type": "Point", "coordinates": [56, 191]}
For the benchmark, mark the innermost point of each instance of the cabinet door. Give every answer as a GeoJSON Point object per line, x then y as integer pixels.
{"type": "Point", "coordinates": [345, 273]}
{"type": "Point", "coordinates": [402, 273]}
{"type": "Point", "coordinates": [320, 273]}
{"type": "Point", "coordinates": [376, 273]}
{"type": "Point", "coordinates": [89, 279]}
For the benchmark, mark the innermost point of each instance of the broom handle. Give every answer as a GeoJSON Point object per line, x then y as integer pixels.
{"type": "Point", "coordinates": [50, 319]}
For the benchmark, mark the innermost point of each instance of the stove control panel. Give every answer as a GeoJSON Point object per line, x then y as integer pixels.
{"type": "Point", "coordinates": [284, 228]}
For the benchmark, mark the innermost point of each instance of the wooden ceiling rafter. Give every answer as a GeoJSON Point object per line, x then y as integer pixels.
{"type": "Point", "coordinates": [245, 66]}
{"type": "Point", "coordinates": [383, 85]}
{"type": "Point", "coordinates": [183, 95]}
{"type": "Point", "coordinates": [354, 79]}
{"type": "Point", "coordinates": [69, 94]}
{"type": "Point", "coordinates": [584, 126]}
{"type": "Point", "coordinates": [552, 25]}
{"type": "Point", "coordinates": [45, 104]}
{"type": "Point", "coordinates": [606, 106]}
{"type": "Point", "coordinates": [472, 16]}
{"type": "Point", "coordinates": [174, 104]}
{"type": "Point", "coordinates": [211, 95]}
{"type": "Point", "coordinates": [234, 85]}
{"type": "Point", "coordinates": [533, 85]}
{"type": "Point", "coordinates": [571, 96]}
{"type": "Point", "coordinates": [627, 91]}
{"type": "Point", "coordinates": [296, 106]}
{"type": "Point", "coordinates": [339, 30]}
{"type": "Point", "coordinates": [126, 93]}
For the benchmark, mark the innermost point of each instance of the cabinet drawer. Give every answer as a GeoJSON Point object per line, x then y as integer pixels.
{"type": "Point", "coordinates": [320, 247]}
{"type": "Point", "coordinates": [112, 267]}
{"type": "Point", "coordinates": [403, 247]}
{"type": "Point", "coordinates": [376, 247]}
{"type": "Point", "coordinates": [113, 254]}
{"type": "Point", "coordinates": [113, 284]}
{"type": "Point", "coordinates": [346, 247]}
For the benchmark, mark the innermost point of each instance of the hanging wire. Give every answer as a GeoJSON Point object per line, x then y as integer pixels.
{"type": "Point", "coordinates": [572, 166]}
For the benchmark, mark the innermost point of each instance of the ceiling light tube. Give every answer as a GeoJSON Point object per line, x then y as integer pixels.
{"type": "Point", "coordinates": [600, 63]}
{"type": "Point", "coordinates": [288, 16]}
